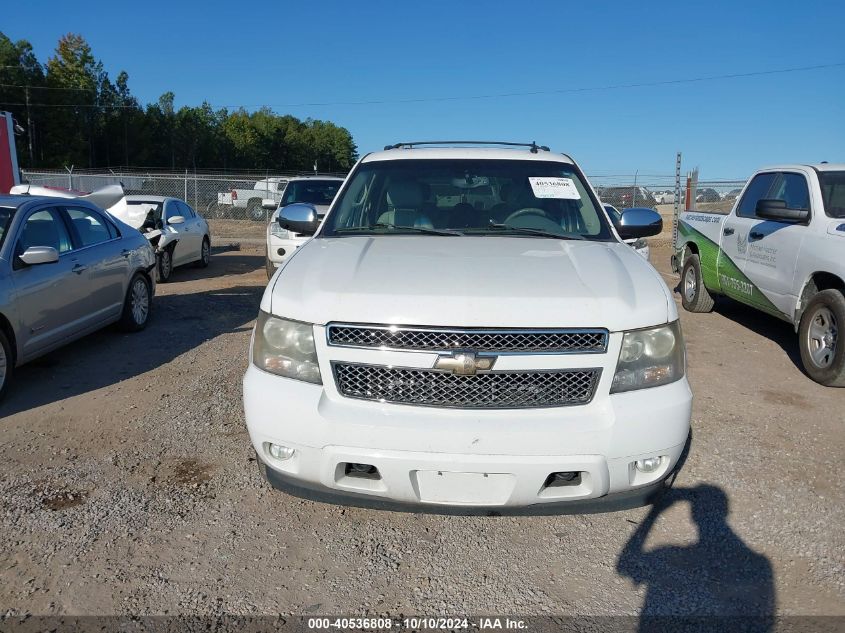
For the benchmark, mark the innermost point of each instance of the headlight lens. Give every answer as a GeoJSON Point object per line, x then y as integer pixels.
{"type": "Point", "coordinates": [285, 348]}
{"type": "Point", "coordinates": [277, 230]}
{"type": "Point", "coordinates": [649, 358]}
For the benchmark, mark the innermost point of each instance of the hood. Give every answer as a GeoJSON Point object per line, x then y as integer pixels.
{"type": "Point", "coordinates": [470, 282]}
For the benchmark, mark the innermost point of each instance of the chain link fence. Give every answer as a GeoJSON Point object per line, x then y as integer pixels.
{"type": "Point", "coordinates": [232, 202]}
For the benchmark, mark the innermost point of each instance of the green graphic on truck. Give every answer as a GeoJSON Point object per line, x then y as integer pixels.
{"type": "Point", "coordinates": [719, 272]}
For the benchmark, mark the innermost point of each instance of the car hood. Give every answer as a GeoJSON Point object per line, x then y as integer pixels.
{"type": "Point", "coordinates": [468, 281]}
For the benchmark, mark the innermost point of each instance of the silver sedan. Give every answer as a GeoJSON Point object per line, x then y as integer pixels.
{"type": "Point", "coordinates": [67, 268]}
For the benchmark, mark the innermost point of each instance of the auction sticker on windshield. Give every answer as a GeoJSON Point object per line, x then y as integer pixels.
{"type": "Point", "coordinates": [561, 188]}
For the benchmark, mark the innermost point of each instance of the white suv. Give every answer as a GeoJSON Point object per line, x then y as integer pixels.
{"type": "Point", "coordinates": [317, 191]}
{"type": "Point", "coordinates": [467, 329]}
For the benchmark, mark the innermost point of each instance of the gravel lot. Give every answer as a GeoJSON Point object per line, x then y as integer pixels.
{"type": "Point", "coordinates": [129, 486]}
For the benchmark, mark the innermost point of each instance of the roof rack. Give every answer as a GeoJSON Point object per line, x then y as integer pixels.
{"type": "Point", "coordinates": [533, 144]}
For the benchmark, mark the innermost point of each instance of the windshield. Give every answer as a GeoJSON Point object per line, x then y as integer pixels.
{"type": "Point", "coordinates": [320, 192]}
{"type": "Point", "coordinates": [6, 214]}
{"type": "Point", "coordinates": [833, 192]}
{"type": "Point", "coordinates": [470, 197]}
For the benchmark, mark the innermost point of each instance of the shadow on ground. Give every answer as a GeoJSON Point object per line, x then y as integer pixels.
{"type": "Point", "coordinates": [694, 587]}
{"type": "Point", "coordinates": [179, 323]}
{"type": "Point", "coordinates": [772, 328]}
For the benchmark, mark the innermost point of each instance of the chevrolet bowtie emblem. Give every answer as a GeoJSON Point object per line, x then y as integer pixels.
{"type": "Point", "coordinates": [464, 363]}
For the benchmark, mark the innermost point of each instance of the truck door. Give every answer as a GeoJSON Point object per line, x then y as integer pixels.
{"type": "Point", "coordinates": [733, 251]}
{"type": "Point", "coordinates": [773, 246]}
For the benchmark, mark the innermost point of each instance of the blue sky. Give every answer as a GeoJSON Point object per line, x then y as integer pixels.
{"type": "Point", "coordinates": [278, 53]}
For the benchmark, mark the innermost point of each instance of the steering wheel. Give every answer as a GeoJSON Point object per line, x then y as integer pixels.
{"type": "Point", "coordinates": [532, 218]}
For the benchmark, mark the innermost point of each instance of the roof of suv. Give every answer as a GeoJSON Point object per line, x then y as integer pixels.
{"type": "Point", "coordinates": [488, 153]}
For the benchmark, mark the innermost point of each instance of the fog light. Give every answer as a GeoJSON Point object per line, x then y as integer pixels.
{"type": "Point", "coordinates": [281, 452]}
{"type": "Point", "coordinates": [648, 465]}
{"type": "Point", "coordinates": [281, 252]}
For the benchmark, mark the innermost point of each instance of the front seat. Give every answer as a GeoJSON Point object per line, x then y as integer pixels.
{"type": "Point", "coordinates": [405, 199]}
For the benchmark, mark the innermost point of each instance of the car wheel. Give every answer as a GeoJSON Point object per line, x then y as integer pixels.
{"type": "Point", "coordinates": [7, 364]}
{"type": "Point", "coordinates": [694, 296]}
{"type": "Point", "coordinates": [271, 270]}
{"type": "Point", "coordinates": [137, 305]}
{"type": "Point", "coordinates": [254, 210]}
{"type": "Point", "coordinates": [820, 338]}
{"type": "Point", "coordinates": [205, 254]}
{"type": "Point", "coordinates": [165, 265]}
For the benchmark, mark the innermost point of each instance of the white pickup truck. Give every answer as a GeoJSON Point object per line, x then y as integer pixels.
{"type": "Point", "coordinates": [467, 329]}
{"type": "Point", "coordinates": [781, 250]}
{"type": "Point", "coordinates": [264, 193]}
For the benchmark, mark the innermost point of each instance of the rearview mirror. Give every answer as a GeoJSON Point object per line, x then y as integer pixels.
{"type": "Point", "coordinates": [639, 222]}
{"type": "Point", "coordinates": [269, 204]}
{"type": "Point", "coordinates": [299, 218]}
{"type": "Point", "coordinates": [777, 210]}
{"type": "Point", "coordinates": [39, 255]}
{"type": "Point", "coordinates": [176, 219]}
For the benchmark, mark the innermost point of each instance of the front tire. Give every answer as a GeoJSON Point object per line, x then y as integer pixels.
{"type": "Point", "coordinates": [821, 340]}
{"type": "Point", "coordinates": [7, 364]}
{"type": "Point", "coordinates": [165, 265]}
{"type": "Point", "coordinates": [205, 254]}
{"type": "Point", "coordinates": [137, 305]}
{"type": "Point", "coordinates": [271, 270]}
{"type": "Point", "coordinates": [694, 295]}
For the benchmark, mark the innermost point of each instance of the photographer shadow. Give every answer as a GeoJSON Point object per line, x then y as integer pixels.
{"type": "Point", "coordinates": [698, 587]}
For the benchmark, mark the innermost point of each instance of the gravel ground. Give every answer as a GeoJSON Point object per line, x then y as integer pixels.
{"type": "Point", "coordinates": [129, 487]}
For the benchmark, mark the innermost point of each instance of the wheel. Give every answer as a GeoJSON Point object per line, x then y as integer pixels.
{"type": "Point", "coordinates": [271, 270]}
{"type": "Point", "coordinates": [254, 210]}
{"type": "Point", "coordinates": [820, 338]}
{"type": "Point", "coordinates": [137, 305]}
{"type": "Point", "coordinates": [7, 364]}
{"type": "Point", "coordinates": [165, 265]}
{"type": "Point", "coordinates": [205, 254]}
{"type": "Point", "coordinates": [694, 296]}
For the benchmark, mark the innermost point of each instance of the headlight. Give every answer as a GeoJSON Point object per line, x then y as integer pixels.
{"type": "Point", "coordinates": [277, 230]}
{"type": "Point", "coordinates": [649, 358]}
{"type": "Point", "coordinates": [285, 348]}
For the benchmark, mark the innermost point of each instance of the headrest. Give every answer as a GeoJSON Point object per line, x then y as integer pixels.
{"type": "Point", "coordinates": [405, 194]}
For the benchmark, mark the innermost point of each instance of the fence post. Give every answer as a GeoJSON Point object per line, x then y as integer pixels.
{"type": "Point", "coordinates": [69, 177]}
{"type": "Point", "coordinates": [676, 212]}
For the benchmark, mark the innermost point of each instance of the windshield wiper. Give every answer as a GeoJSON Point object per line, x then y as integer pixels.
{"type": "Point", "coordinates": [397, 227]}
{"type": "Point", "coordinates": [528, 231]}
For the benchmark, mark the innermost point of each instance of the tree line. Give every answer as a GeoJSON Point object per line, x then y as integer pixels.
{"type": "Point", "coordinates": [72, 113]}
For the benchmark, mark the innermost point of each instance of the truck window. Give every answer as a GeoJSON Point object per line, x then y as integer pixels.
{"type": "Point", "coordinates": [759, 189]}
{"type": "Point", "coordinates": [833, 193]}
{"type": "Point", "coordinates": [792, 189]}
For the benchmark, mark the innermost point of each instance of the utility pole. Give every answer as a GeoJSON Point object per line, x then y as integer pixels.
{"type": "Point", "coordinates": [29, 129]}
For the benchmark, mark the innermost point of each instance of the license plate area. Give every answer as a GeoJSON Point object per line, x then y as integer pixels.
{"type": "Point", "coordinates": [484, 489]}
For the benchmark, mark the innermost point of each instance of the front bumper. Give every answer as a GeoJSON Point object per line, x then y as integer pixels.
{"type": "Point", "coordinates": [287, 245]}
{"type": "Point", "coordinates": [477, 460]}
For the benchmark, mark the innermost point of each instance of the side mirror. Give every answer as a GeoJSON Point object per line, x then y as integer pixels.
{"type": "Point", "coordinates": [35, 255]}
{"type": "Point", "coordinates": [269, 204]}
{"type": "Point", "coordinates": [176, 219]}
{"type": "Point", "coordinates": [778, 211]}
{"type": "Point", "coordinates": [639, 222]}
{"type": "Point", "coordinates": [299, 218]}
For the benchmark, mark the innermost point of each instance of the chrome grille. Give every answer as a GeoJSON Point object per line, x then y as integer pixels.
{"type": "Point", "coordinates": [441, 339]}
{"type": "Point", "coordinates": [486, 390]}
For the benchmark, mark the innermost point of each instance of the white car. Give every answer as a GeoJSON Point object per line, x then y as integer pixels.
{"type": "Point", "coordinates": [318, 191]}
{"type": "Point", "coordinates": [640, 244]}
{"type": "Point", "coordinates": [780, 250]}
{"type": "Point", "coordinates": [423, 352]}
{"type": "Point", "coordinates": [178, 233]}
